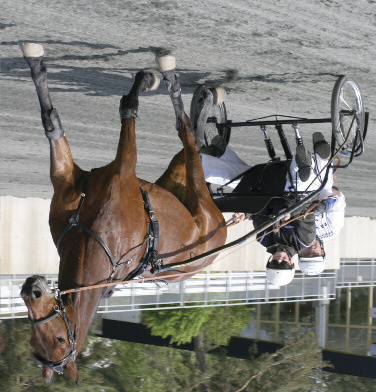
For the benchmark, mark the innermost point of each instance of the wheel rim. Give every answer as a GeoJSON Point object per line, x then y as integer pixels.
{"type": "Point", "coordinates": [349, 101]}
{"type": "Point", "coordinates": [217, 115]}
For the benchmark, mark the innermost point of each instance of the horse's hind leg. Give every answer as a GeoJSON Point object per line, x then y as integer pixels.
{"type": "Point", "coordinates": [167, 66]}
{"type": "Point", "coordinates": [186, 169]}
{"type": "Point", "coordinates": [63, 171]}
{"type": "Point", "coordinates": [33, 54]}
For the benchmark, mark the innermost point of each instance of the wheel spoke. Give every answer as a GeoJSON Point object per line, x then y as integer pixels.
{"type": "Point", "coordinates": [344, 101]}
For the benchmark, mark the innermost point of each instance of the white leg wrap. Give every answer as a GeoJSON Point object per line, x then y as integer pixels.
{"type": "Point", "coordinates": [31, 50]}
{"type": "Point", "coordinates": [166, 63]}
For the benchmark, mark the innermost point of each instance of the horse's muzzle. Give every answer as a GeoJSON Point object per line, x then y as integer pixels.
{"type": "Point", "coordinates": [35, 286]}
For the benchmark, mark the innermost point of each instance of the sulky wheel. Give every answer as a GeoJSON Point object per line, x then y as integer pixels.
{"type": "Point", "coordinates": [347, 115]}
{"type": "Point", "coordinates": [217, 115]}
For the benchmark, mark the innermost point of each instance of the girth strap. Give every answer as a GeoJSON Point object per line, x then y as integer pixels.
{"type": "Point", "coordinates": [151, 256]}
{"type": "Point", "coordinates": [153, 231]}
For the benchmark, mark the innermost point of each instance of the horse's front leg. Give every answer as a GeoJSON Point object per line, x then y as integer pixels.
{"type": "Point", "coordinates": [63, 172]}
{"type": "Point", "coordinates": [126, 157]}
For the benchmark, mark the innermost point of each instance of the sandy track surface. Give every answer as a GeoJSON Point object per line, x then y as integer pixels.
{"type": "Point", "coordinates": [273, 57]}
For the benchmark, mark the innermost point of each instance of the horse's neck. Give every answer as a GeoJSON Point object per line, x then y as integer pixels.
{"type": "Point", "coordinates": [84, 304]}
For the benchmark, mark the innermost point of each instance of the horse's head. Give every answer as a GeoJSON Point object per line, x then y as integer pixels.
{"type": "Point", "coordinates": [53, 335]}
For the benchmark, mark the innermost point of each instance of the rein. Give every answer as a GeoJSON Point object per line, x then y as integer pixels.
{"type": "Point", "coordinates": [158, 267]}
{"type": "Point", "coordinates": [185, 263]}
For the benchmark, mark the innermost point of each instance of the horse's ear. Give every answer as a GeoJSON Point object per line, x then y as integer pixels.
{"type": "Point", "coordinates": [72, 371]}
{"type": "Point", "coordinates": [47, 375]}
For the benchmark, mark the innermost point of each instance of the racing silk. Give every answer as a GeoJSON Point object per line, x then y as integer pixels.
{"type": "Point", "coordinates": [294, 237]}
{"type": "Point", "coordinates": [330, 223]}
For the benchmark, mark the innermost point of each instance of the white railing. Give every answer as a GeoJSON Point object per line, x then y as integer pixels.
{"type": "Point", "coordinates": [218, 289]}
{"type": "Point", "coordinates": [204, 289]}
{"type": "Point", "coordinates": [356, 273]}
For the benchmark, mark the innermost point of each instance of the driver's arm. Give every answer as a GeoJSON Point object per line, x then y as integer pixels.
{"type": "Point", "coordinates": [240, 216]}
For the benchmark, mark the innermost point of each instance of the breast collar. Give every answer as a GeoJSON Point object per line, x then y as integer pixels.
{"type": "Point", "coordinates": [152, 238]}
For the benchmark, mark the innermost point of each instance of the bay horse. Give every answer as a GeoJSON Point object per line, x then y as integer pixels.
{"type": "Point", "coordinates": [105, 223]}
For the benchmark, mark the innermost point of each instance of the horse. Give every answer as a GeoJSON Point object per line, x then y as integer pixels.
{"type": "Point", "coordinates": [108, 225]}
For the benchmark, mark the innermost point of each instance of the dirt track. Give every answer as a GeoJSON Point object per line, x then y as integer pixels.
{"type": "Point", "coordinates": [272, 57]}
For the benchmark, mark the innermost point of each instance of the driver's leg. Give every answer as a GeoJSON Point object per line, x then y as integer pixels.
{"type": "Point", "coordinates": [322, 154]}
{"type": "Point", "coordinates": [295, 181]}
{"type": "Point", "coordinates": [221, 170]}
{"type": "Point", "coordinates": [302, 159]}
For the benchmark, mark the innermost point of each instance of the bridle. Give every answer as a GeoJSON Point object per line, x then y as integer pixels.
{"type": "Point", "coordinates": [60, 311]}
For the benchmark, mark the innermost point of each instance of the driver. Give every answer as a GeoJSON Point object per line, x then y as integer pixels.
{"type": "Point", "coordinates": [283, 242]}
{"type": "Point", "coordinates": [305, 237]}
{"type": "Point", "coordinates": [329, 216]}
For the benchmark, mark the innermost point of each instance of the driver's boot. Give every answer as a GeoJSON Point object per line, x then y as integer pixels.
{"type": "Point", "coordinates": [303, 160]}
{"type": "Point", "coordinates": [320, 146]}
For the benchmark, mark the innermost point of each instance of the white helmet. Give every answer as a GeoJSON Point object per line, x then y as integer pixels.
{"type": "Point", "coordinates": [312, 265]}
{"type": "Point", "coordinates": [280, 277]}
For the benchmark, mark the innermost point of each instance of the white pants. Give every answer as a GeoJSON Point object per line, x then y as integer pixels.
{"type": "Point", "coordinates": [223, 169]}
{"type": "Point", "coordinates": [312, 183]}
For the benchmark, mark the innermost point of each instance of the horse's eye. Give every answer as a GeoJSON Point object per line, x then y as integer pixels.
{"type": "Point", "coordinates": [60, 340]}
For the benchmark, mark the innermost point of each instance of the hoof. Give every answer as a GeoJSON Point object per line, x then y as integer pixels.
{"type": "Point", "coordinates": [166, 63]}
{"type": "Point", "coordinates": [147, 81]}
{"type": "Point", "coordinates": [219, 95]}
{"type": "Point", "coordinates": [152, 82]}
{"type": "Point", "coordinates": [31, 50]}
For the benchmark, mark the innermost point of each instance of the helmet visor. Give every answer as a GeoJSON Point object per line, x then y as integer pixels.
{"type": "Point", "coordinates": [309, 259]}
{"type": "Point", "coordinates": [275, 264]}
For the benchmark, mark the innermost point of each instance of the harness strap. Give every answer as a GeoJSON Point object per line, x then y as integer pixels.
{"type": "Point", "coordinates": [153, 225]}
{"type": "Point", "coordinates": [151, 251]}
{"type": "Point", "coordinates": [101, 242]}
{"type": "Point", "coordinates": [151, 256]}
{"type": "Point", "coordinates": [74, 220]}
{"type": "Point", "coordinates": [46, 319]}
